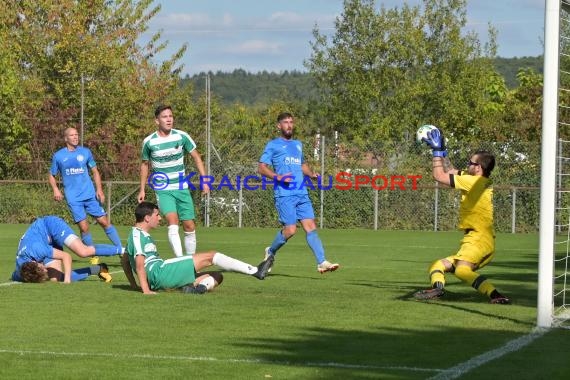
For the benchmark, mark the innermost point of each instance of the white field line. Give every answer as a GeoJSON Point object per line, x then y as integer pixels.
{"type": "Point", "coordinates": [212, 359]}
{"type": "Point", "coordinates": [9, 283]}
{"type": "Point", "coordinates": [477, 361]}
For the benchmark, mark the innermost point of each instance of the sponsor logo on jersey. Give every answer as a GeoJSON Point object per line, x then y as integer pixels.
{"type": "Point", "coordinates": [292, 161]}
{"type": "Point", "coordinates": [150, 247]}
{"type": "Point", "coordinates": [74, 171]}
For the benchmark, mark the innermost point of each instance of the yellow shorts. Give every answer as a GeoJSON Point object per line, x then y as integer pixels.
{"type": "Point", "coordinates": [477, 248]}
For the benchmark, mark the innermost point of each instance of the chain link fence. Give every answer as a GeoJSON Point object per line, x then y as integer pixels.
{"type": "Point", "coordinates": [369, 185]}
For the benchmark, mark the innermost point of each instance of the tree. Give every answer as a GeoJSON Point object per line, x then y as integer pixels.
{"type": "Point", "coordinates": [87, 54]}
{"type": "Point", "coordinates": [385, 73]}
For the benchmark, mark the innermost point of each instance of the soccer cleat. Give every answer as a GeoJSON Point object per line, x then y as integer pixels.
{"type": "Point", "coordinates": [266, 257]}
{"type": "Point", "coordinates": [94, 260]}
{"type": "Point", "coordinates": [326, 266]}
{"type": "Point", "coordinates": [263, 267]}
{"type": "Point", "coordinates": [429, 294]}
{"type": "Point", "coordinates": [500, 300]}
{"type": "Point", "coordinates": [198, 289]}
{"type": "Point", "coordinates": [104, 273]}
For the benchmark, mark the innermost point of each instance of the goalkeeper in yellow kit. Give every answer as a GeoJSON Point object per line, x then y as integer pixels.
{"type": "Point", "coordinates": [475, 219]}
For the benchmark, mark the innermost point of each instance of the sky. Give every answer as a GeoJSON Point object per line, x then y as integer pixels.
{"type": "Point", "coordinates": [275, 35]}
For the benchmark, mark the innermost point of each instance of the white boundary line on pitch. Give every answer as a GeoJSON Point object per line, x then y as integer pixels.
{"type": "Point", "coordinates": [477, 361]}
{"type": "Point", "coordinates": [9, 283]}
{"type": "Point", "coordinates": [211, 359]}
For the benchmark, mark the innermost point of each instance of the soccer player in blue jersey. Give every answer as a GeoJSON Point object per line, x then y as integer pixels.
{"type": "Point", "coordinates": [73, 163]}
{"type": "Point", "coordinates": [475, 220]}
{"type": "Point", "coordinates": [163, 167]}
{"type": "Point", "coordinates": [285, 156]}
{"type": "Point", "coordinates": [43, 243]}
{"type": "Point", "coordinates": [35, 272]}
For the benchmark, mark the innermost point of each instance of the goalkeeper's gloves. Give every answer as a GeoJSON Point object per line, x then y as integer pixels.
{"type": "Point", "coordinates": [436, 142]}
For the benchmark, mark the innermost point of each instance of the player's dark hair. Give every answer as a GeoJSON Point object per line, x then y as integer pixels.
{"type": "Point", "coordinates": [161, 108]}
{"type": "Point", "coordinates": [31, 272]}
{"type": "Point", "coordinates": [487, 161]}
{"type": "Point", "coordinates": [144, 209]}
{"type": "Point", "coordinates": [283, 116]}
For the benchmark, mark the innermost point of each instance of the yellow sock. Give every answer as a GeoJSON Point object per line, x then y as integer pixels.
{"type": "Point", "coordinates": [436, 273]}
{"type": "Point", "coordinates": [477, 281]}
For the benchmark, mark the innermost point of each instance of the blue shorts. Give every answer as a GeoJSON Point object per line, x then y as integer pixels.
{"type": "Point", "coordinates": [293, 208]}
{"type": "Point", "coordinates": [80, 209]}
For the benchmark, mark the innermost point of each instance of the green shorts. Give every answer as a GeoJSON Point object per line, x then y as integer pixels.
{"type": "Point", "coordinates": [178, 201]}
{"type": "Point", "coordinates": [173, 273]}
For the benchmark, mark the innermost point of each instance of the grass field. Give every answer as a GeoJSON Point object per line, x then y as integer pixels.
{"type": "Point", "coordinates": [357, 323]}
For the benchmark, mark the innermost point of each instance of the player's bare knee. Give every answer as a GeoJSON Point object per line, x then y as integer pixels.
{"type": "Point", "coordinates": [289, 231]}
{"type": "Point", "coordinates": [85, 251]}
{"type": "Point", "coordinates": [104, 222]}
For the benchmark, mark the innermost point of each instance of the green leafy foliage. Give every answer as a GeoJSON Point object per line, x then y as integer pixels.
{"type": "Point", "coordinates": [383, 73]}
{"type": "Point", "coordinates": [83, 67]}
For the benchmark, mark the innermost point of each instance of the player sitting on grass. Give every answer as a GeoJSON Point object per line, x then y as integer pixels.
{"type": "Point", "coordinates": [475, 219]}
{"type": "Point", "coordinates": [43, 243]}
{"type": "Point", "coordinates": [37, 272]}
{"type": "Point", "coordinates": [154, 273]}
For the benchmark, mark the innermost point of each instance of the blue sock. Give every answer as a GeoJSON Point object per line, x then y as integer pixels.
{"type": "Point", "coordinates": [113, 235]}
{"type": "Point", "coordinates": [80, 274]}
{"type": "Point", "coordinates": [316, 246]}
{"type": "Point", "coordinates": [87, 238]}
{"type": "Point", "coordinates": [277, 243]}
{"type": "Point", "coordinates": [107, 250]}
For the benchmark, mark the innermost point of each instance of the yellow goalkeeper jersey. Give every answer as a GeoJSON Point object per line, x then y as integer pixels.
{"type": "Point", "coordinates": [476, 209]}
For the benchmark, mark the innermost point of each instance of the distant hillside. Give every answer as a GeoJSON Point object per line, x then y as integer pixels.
{"type": "Point", "coordinates": [259, 88]}
{"type": "Point", "coordinates": [508, 67]}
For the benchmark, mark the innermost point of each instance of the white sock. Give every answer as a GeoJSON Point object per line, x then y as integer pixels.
{"type": "Point", "coordinates": [174, 240]}
{"type": "Point", "coordinates": [229, 263]}
{"type": "Point", "coordinates": [190, 242]}
{"type": "Point", "coordinates": [209, 282]}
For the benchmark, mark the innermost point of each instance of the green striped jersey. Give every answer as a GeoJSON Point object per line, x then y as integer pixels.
{"type": "Point", "coordinates": [166, 155]}
{"type": "Point", "coordinates": [141, 243]}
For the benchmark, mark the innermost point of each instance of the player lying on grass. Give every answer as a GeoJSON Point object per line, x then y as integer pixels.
{"type": "Point", "coordinates": [475, 219]}
{"type": "Point", "coordinates": [37, 272]}
{"type": "Point", "coordinates": [154, 273]}
{"type": "Point", "coordinates": [43, 243]}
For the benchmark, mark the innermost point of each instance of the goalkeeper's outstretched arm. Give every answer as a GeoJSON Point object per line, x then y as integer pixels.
{"type": "Point", "coordinates": [442, 169]}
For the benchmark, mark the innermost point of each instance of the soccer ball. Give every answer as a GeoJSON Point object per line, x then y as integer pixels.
{"type": "Point", "coordinates": [422, 132]}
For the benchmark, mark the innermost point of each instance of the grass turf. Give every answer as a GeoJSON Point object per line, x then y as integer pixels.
{"type": "Point", "coordinates": [358, 323]}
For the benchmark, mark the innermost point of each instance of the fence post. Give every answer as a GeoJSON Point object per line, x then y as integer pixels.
{"type": "Point", "coordinates": [108, 185]}
{"type": "Point", "coordinates": [436, 207]}
{"type": "Point", "coordinates": [514, 211]}
{"type": "Point", "coordinates": [240, 208]}
{"type": "Point", "coordinates": [322, 210]}
{"type": "Point", "coordinates": [375, 209]}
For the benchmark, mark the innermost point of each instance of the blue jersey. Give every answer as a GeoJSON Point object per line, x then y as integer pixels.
{"type": "Point", "coordinates": [74, 165]}
{"type": "Point", "coordinates": [286, 156]}
{"type": "Point", "coordinates": [39, 240]}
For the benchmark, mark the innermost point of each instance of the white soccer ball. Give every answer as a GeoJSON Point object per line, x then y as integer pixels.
{"type": "Point", "coordinates": [422, 132]}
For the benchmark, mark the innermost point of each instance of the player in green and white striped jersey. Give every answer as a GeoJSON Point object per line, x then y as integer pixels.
{"type": "Point", "coordinates": [163, 168]}
{"type": "Point", "coordinates": [142, 259]}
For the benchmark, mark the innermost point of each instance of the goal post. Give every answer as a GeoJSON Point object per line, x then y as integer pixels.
{"type": "Point", "coordinates": [545, 304]}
